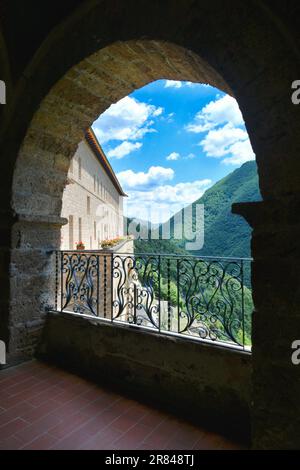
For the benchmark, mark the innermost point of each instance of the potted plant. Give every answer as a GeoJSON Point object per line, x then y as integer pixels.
{"type": "Point", "coordinates": [109, 244]}
{"type": "Point", "coordinates": [80, 246]}
{"type": "Point", "coordinates": [114, 242]}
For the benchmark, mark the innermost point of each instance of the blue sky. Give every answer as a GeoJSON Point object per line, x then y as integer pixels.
{"type": "Point", "coordinates": [170, 141]}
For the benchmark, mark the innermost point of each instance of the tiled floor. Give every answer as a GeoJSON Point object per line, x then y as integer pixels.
{"type": "Point", "coordinates": [43, 407]}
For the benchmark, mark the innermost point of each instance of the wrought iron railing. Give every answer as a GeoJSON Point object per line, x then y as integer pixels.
{"type": "Point", "coordinates": [201, 298]}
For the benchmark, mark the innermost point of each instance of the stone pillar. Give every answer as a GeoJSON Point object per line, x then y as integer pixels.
{"type": "Point", "coordinates": [32, 281]}
{"type": "Point", "coordinates": [276, 321]}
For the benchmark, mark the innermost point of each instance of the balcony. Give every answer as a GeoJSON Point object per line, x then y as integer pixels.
{"type": "Point", "coordinates": [165, 330]}
{"type": "Point", "coordinates": [200, 299]}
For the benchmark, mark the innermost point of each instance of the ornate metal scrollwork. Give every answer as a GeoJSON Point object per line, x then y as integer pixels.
{"type": "Point", "coordinates": [80, 277]}
{"type": "Point", "coordinates": [212, 299]}
{"type": "Point", "coordinates": [191, 296]}
{"type": "Point", "coordinates": [135, 282]}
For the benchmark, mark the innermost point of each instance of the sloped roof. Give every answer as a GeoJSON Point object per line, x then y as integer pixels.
{"type": "Point", "coordinates": [94, 145]}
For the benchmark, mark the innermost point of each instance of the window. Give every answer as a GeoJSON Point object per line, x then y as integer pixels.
{"type": "Point", "coordinates": [80, 229]}
{"type": "Point", "coordinates": [94, 183]}
{"type": "Point", "coordinates": [79, 168]}
{"type": "Point", "coordinates": [71, 232]}
{"type": "Point", "coordinates": [98, 186]}
{"type": "Point", "coordinates": [88, 205]}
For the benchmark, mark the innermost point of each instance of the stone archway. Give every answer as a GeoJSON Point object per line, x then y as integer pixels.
{"type": "Point", "coordinates": [256, 57]}
{"type": "Point", "coordinates": [71, 106]}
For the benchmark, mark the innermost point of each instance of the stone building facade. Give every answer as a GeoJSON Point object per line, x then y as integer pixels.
{"type": "Point", "coordinates": [92, 199]}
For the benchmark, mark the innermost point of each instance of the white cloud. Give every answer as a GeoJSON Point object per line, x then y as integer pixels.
{"type": "Point", "coordinates": [226, 136]}
{"type": "Point", "coordinates": [139, 134]}
{"type": "Point", "coordinates": [179, 84]}
{"type": "Point", "coordinates": [191, 84]}
{"type": "Point", "coordinates": [217, 141]}
{"type": "Point", "coordinates": [218, 112]}
{"type": "Point", "coordinates": [169, 118]}
{"type": "Point", "coordinates": [123, 149]}
{"type": "Point", "coordinates": [162, 202]}
{"type": "Point", "coordinates": [158, 112]}
{"type": "Point", "coordinates": [173, 156]}
{"type": "Point", "coordinates": [128, 119]}
{"type": "Point", "coordinates": [190, 156]}
{"type": "Point", "coordinates": [173, 84]}
{"type": "Point", "coordinates": [241, 152]}
{"type": "Point", "coordinates": [154, 177]}
{"type": "Point", "coordinates": [230, 142]}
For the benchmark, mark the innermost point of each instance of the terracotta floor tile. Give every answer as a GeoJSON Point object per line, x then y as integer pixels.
{"type": "Point", "coordinates": [49, 393]}
{"type": "Point", "coordinates": [67, 425]}
{"type": "Point", "coordinates": [12, 427]}
{"type": "Point", "coordinates": [39, 427]}
{"type": "Point", "coordinates": [43, 442]}
{"type": "Point", "coordinates": [209, 441]}
{"type": "Point", "coordinates": [22, 386]}
{"type": "Point", "coordinates": [102, 441]}
{"type": "Point", "coordinates": [36, 413]}
{"type": "Point", "coordinates": [17, 411]}
{"type": "Point", "coordinates": [73, 441]}
{"type": "Point", "coordinates": [44, 407]}
{"type": "Point", "coordinates": [153, 419]}
{"type": "Point", "coordinates": [98, 406]}
{"type": "Point", "coordinates": [73, 406]}
{"type": "Point", "coordinates": [133, 438]}
{"type": "Point", "coordinates": [10, 443]}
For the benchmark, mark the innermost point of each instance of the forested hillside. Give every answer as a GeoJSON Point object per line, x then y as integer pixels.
{"type": "Point", "coordinates": [225, 234]}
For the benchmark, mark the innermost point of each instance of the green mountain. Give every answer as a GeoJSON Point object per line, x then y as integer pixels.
{"type": "Point", "coordinates": [225, 234]}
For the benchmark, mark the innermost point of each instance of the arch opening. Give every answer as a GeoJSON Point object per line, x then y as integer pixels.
{"type": "Point", "coordinates": [165, 189]}
{"type": "Point", "coordinates": [57, 127]}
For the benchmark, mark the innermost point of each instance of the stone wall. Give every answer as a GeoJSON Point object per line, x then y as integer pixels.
{"type": "Point", "coordinates": [206, 384]}
{"type": "Point", "coordinates": [106, 205]}
{"type": "Point", "coordinates": [33, 288]}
